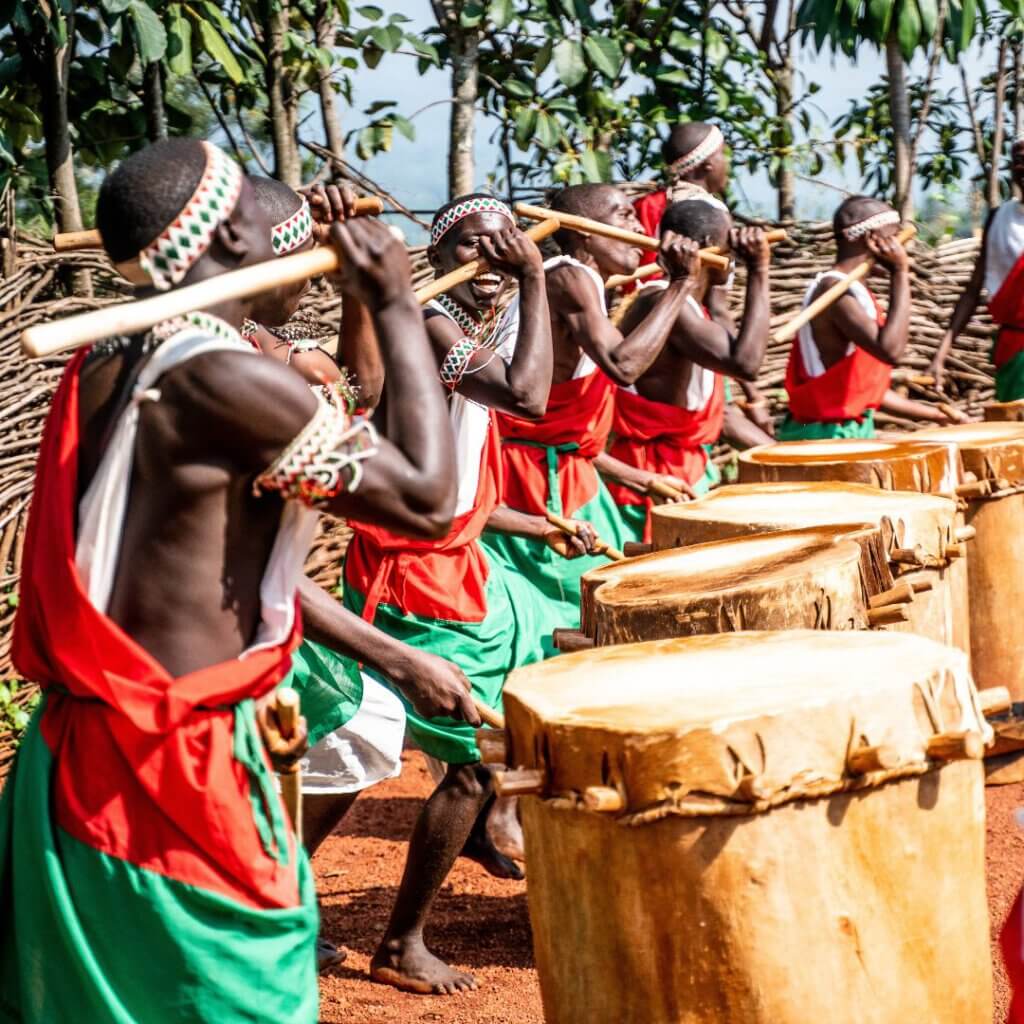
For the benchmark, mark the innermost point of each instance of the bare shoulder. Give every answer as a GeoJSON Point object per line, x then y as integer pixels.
{"type": "Point", "coordinates": [569, 288]}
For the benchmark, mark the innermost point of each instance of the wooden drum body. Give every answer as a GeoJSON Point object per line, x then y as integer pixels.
{"type": "Point", "coordinates": [774, 844]}
{"type": "Point", "coordinates": [994, 454]}
{"type": "Point", "coordinates": [1005, 412]}
{"type": "Point", "coordinates": [919, 531]}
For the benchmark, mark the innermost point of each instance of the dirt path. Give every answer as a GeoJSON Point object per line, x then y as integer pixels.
{"type": "Point", "coordinates": [479, 923]}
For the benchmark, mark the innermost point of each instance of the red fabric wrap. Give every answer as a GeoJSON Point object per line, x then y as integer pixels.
{"type": "Point", "coordinates": [143, 767]}
{"type": "Point", "coordinates": [1007, 309]}
{"type": "Point", "coordinates": [579, 413]}
{"type": "Point", "coordinates": [664, 438]}
{"type": "Point", "coordinates": [1011, 940]}
{"type": "Point", "coordinates": [650, 209]}
{"type": "Point", "coordinates": [845, 391]}
{"type": "Point", "coordinates": [438, 579]}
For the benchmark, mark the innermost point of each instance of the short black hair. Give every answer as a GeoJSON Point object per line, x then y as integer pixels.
{"type": "Point", "coordinates": [684, 138]}
{"type": "Point", "coordinates": [145, 193]}
{"type": "Point", "coordinates": [704, 222]}
{"type": "Point", "coordinates": [582, 201]}
{"type": "Point", "coordinates": [854, 209]}
{"type": "Point", "coordinates": [278, 200]}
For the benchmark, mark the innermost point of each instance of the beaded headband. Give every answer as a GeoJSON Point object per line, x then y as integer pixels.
{"type": "Point", "coordinates": [170, 256]}
{"type": "Point", "coordinates": [293, 231]}
{"type": "Point", "coordinates": [863, 227]}
{"type": "Point", "coordinates": [707, 147]}
{"type": "Point", "coordinates": [466, 208]}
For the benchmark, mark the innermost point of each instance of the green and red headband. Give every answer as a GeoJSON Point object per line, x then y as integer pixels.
{"type": "Point", "coordinates": [293, 231]}
{"type": "Point", "coordinates": [466, 208]}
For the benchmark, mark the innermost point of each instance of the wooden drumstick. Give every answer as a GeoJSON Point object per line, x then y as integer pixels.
{"type": "Point", "coordinates": [131, 317]}
{"type": "Point", "coordinates": [660, 489]}
{"type": "Point", "coordinates": [286, 708]}
{"type": "Point", "coordinates": [650, 269]}
{"type": "Point", "coordinates": [595, 227]}
{"type": "Point", "coordinates": [72, 241]}
{"type": "Point", "coordinates": [569, 527]}
{"type": "Point", "coordinates": [493, 718]}
{"type": "Point", "coordinates": [789, 330]}
{"type": "Point", "coordinates": [475, 268]}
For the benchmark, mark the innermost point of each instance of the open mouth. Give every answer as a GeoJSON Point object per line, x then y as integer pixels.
{"type": "Point", "coordinates": [488, 284]}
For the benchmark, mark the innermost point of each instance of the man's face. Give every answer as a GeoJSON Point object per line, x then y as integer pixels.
{"type": "Point", "coordinates": [1017, 164]}
{"type": "Point", "coordinates": [278, 306]}
{"type": "Point", "coordinates": [462, 245]}
{"type": "Point", "coordinates": [612, 256]}
{"type": "Point", "coordinates": [718, 171]}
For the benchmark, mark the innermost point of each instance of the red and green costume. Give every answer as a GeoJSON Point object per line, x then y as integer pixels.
{"type": "Point", "coordinates": [837, 402]}
{"type": "Point", "coordinates": [147, 873]}
{"type": "Point", "coordinates": [670, 440]}
{"type": "Point", "coordinates": [446, 596]}
{"type": "Point", "coordinates": [548, 465]}
{"type": "Point", "coordinates": [1004, 282]}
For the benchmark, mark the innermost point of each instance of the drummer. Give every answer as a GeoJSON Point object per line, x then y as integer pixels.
{"type": "Point", "coordinates": [999, 269]}
{"type": "Point", "coordinates": [841, 362]}
{"type": "Point", "coordinates": [548, 462]}
{"type": "Point", "coordinates": [664, 421]}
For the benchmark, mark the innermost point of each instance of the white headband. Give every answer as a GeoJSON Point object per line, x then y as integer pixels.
{"type": "Point", "coordinates": [707, 147]}
{"type": "Point", "coordinates": [862, 227]}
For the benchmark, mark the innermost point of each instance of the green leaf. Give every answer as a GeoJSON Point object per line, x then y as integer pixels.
{"type": "Point", "coordinates": [500, 13]}
{"type": "Point", "coordinates": [605, 54]}
{"type": "Point", "coordinates": [13, 599]}
{"type": "Point", "coordinates": [520, 90]}
{"type": "Point", "coordinates": [525, 127]}
{"type": "Point", "coordinates": [405, 126]}
{"type": "Point", "coordinates": [715, 47]}
{"type": "Point", "coordinates": [543, 58]}
{"type": "Point", "coordinates": [929, 12]}
{"type": "Point", "coordinates": [9, 68]}
{"type": "Point", "coordinates": [596, 165]}
{"type": "Point", "coordinates": [569, 62]}
{"type": "Point", "coordinates": [372, 56]}
{"type": "Point", "coordinates": [908, 28]}
{"type": "Point", "coordinates": [115, 6]}
{"type": "Point", "coordinates": [218, 49]}
{"type": "Point", "coordinates": [370, 12]}
{"type": "Point", "coordinates": [471, 15]}
{"type": "Point", "coordinates": [683, 41]}
{"type": "Point", "coordinates": [548, 131]}
{"type": "Point", "coordinates": [150, 37]}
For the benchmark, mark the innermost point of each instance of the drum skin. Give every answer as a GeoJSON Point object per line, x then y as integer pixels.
{"type": "Point", "coordinates": [820, 910]}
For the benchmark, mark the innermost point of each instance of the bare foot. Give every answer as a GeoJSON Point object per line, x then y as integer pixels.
{"type": "Point", "coordinates": [480, 849]}
{"type": "Point", "coordinates": [328, 955]}
{"type": "Point", "coordinates": [504, 829]}
{"type": "Point", "coordinates": [408, 965]}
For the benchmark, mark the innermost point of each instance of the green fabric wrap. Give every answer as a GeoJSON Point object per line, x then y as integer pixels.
{"type": "Point", "coordinates": [555, 579]}
{"type": "Point", "coordinates": [329, 685]}
{"type": "Point", "coordinates": [88, 937]}
{"type": "Point", "coordinates": [509, 636]}
{"type": "Point", "coordinates": [793, 430]}
{"type": "Point", "coordinates": [1010, 379]}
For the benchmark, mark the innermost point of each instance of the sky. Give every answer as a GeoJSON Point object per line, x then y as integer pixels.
{"type": "Point", "coordinates": [416, 172]}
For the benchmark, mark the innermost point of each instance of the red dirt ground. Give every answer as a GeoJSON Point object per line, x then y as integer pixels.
{"type": "Point", "coordinates": [481, 924]}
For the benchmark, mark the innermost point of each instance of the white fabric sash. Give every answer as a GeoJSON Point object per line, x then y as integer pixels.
{"type": "Point", "coordinates": [1004, 244]}
{"type": "Point", "coordinates": [809, 353]}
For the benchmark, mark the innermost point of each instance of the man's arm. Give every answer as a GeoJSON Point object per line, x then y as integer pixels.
{"type": "Point", "coordinates": [851, 321]}
{"type": "Point", "coordinates": [623, 357]}
{"type": "Point", "coordinates": [742, 432]}
{"type": "Point", "coordinates": [637, 479]}
{"type": "Point", "coordinates": [435, 687]}
{"type": "Point", "coordinates": [519, 387]}
{"type": "Point", "coordinates": [521, 524]}
{"type": "Point", "coordinates": [897, 405]}
{"type": "Point", "coordinates": [963, 311]}
{"type": "Point", "coordinates": [359, 352]}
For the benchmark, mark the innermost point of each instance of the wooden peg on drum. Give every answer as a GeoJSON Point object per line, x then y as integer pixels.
{"type": "Point", "coordinates": [569, 640]}
{"type": "Point", "coordinates": [520, 782]}
{"type": "Point", "coordinates": [492, 745]}
{"type": "Point", "coordinates": [636, 548]}
{"type": "Point", "coordinates": [603, 799]}
{"type": "Point", "coordinates": [966, 745]}
{"type": "Point", "coordinates": [890, 615]}
{"type": "Point", "coordinates": [871, 759]}
{"type": "Point", "coordinates": [995, 700]}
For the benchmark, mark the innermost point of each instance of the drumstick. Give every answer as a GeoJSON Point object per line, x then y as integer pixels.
{"type": "Point", "coordinates": [569, 527]}
{"type": "Point", "coordinates": [475, 268]}
{"type": "Point", "coordinates": [789, 330]}
{"type": "Point", "coordinates": [287, 710]}
{"type": "Point", "coordinates": [493, 718]}
{"type": "Point", "coordinates": [650, 269]}
{"type": "Point", "coordinates": [595, 227]}
{"type": "Point", "coordinates": [131, 317]}
{"type": "Point", "coordinates": [72, 241]}
{"type": "Point", "coordinates": [663, 490]}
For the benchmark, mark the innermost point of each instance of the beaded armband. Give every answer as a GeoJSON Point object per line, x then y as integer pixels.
{"type": "Point", "coordinates": [324, 460]}
{"type": "Point", "coordinates": [456, 362]}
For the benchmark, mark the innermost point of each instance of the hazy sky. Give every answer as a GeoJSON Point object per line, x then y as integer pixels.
{"type": "Point", "coordinates": [416, 172]}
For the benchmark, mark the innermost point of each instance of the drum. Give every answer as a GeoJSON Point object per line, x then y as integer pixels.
{"type": "Point", "coordinates": [1005, 412]}
{"type": "Point", "coordinates": [994, 454]}
{"type": "Point", "coordinates": [801, 579]}
{"type": "Point", "coordinates": [890, 465]}
{"type": "Point", "coordinates": [759, 828]}
{"type": "Point", "coordinates": [924, 526]}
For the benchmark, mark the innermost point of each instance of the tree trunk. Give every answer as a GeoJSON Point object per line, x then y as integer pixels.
{"type": "Point", "coordinates": [465, 44]}
{"type": "Point", "coordinates": [325, 29]}
{"type": "Point", "coordinates": [287, 166]}
{"type": "Point", "coordinates": [1018, 103]}
{"type": "Point", "coordinates": [999, 102]}
{"type": "Point", "coordinates": [899, 104]}
{"type": "Point", "coordinates": [153, 101]}
{"type": "Point", "coordinates": [782, 80]}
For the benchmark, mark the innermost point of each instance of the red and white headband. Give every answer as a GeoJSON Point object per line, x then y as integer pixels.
{"type": "Point", "coordinates": [170, 256]}
{"type": "Point", "coordinates": [466, 208]}
{"type": "Point", "coordinates": [872, 223]}
{"type": "Point", "coordinates": [293, 231]}
{"type": "Point", "coordinates": [707, 147]}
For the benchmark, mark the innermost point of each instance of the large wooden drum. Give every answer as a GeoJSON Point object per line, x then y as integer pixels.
{"type": "Point", "coordinates": [1005, 412]}
{"type": "Point", "coordinates": [755, 828]}
{"type": "Point", "coordinates": [994, 454]}
{"type": "Point", "coordinates": [890, 465]}
{"type": "Point", "coordinates": [920, 532]}
{"type": "Point", "coordinates": [802, 579]}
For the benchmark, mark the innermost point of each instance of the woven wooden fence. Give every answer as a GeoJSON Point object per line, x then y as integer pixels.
{"type": "Point", "coordinates": [32, 291]}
